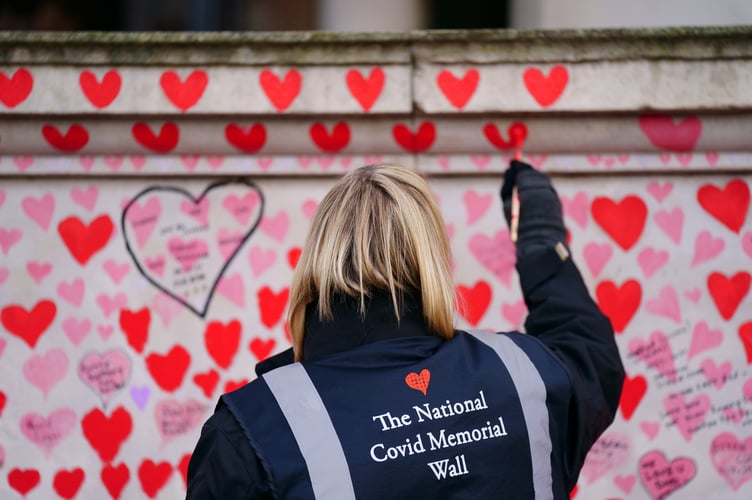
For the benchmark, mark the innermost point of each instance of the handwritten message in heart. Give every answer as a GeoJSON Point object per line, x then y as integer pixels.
{"type": "Point", "coordinates": [183, 244]}
{"type": "Point", "coordinates": [105, 373]}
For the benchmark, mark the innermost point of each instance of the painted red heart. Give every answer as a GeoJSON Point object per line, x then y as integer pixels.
{"type": "Point", "coordinates": [101, 94]}
{"type": "Point", "coordinates": [73, 140]}
{"type": "Point", "coordinates": [168, 370]}
{"type": "Point", "coordinates": [663, 133]}
{"type": "Point", "coordinates": [207, 381]}
{"type": "Point", "coordinates": [67, 482]}
{"type": "Point", "coordinates": [365, 90]}
{"type": "Point", "coordinates": [153, 476]}
{"type": "Point", "coordinates": [473, 301]}
{"type": "Point", "coordinates": [29, 325]}
{"type": "Point", "coordinates": [82, 240]}
{"type": "Point", "coordinates": [23, 480]}
{"type": "Point", "coordinates": [546, 90]}
{"type": "Point", "coordinates": [283, 92]}
{"type": "Point", "coordinates": [15, 90]}
{"type": "Point", "coordinates": [262, 348]}
{"type": "Point", "coordinates": [222, 341]}
{"type": "Point", "coordinates": [517, 133]}
{"type": "Point", "coordinates": [106, 434]}
{"type": "Point", "coordinates": [3, 400]}
{"type": "Point", "coordinates": [166, 141]}
{"type": "Point", "coordinates": [115, 478]}
{"type": "Point", "coordinates": [419, 381]}
{"type": "Point", "coordinates": [249, 141]}
{"type": "Point", "coordinates": [623, 221]}
{"type": "Point", "coordinates": [272, 305]}
{"type": "Point", "coordinates": [338, 140]}
{"type": "Point", "coordinates": [619, 303]}
{"type": "Point", "coordinates": [458, 91]}
{"type": "Point", "coordinates": [184, 94]}
{"type": "Point", "coordinates": [728, 293]}
{"type": "Point", "coordinates": [728, 205]}
{"type": "Point", "coordinates": [135, 326]}
{"type": "Point", "coordinates": [232, 385]}
{"type": "Point", "coordinates": [745, 335]}
{"type": "Point", "coordinates": [633, 390]}
{"type": "Point", "coordinates": [419, 142]}
{"type": "Point", "coordinates": [183, 467]}
{"type": "Point", "coordinates": [293, 255]}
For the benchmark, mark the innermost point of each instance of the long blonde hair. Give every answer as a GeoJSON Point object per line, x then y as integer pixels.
{"type": "Point", "coordinates": [378, 229]}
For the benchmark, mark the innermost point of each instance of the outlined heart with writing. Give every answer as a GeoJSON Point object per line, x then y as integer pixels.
{"type": "Point", "coordinates": [192, 240]}
{"type": "Point", "coordinates": [419, 381]}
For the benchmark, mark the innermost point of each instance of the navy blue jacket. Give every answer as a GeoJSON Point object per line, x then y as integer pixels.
{"type": "Point", "coordinates": [372, 384]}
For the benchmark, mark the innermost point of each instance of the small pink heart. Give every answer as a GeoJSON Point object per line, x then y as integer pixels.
{"type": "Point", "coordinates": [215, 161]}
{"type": "Point", "coordinates": [717, 375]}
{"type": "Point", "coordinates": [105, 331]}
{"type": "Point", "coordinates": [108, 304]}
{"type": "Point", "coordinates": [706, 247]}
{"type": "Point", "coordinates": [747, 243]}
{"type": "Point", "coordinates": [23, 162]}
{"type": "Point", "coordinates": [625, 483]}
{"type": "Point", "coordinates": [703, 338]}
{"type": "Point", "coordinates": [684, 158]}
{"type": "Point", "coordinates": [261, 260]}
{"type": "Point", "coordinates": [86, 162]}
{"type": "Point", "coordinates": [276, 226]}
{"type": "Point", "coordinates": [113, 162]}
{"type": "Point", "coordinates": [481, 161]}
{"type": "Point", "coordinates": [514, 313]}
{"type": "Point", "coordinates": [734, 415]}
{"type": "Point", "coordinates": [116, 271]}
{"type": "Point", "coordinates": [443, 162]}
{"type": "Point", "coordinates": [650, 429]}
{"type": "Point", "coordinates": [651, 260]}
{"type": "Point", "coordinates": [309, 208]}
{"type": "Point", "coordinates": [233, 288]}
{"type": "Point", "coordinates": [693, 294]}
{"type": "Point", "coordinates": [86, 199]}
{"type": "Point", "coordinates": [576, 208]}
{"type": "Point", "coordinates": [597, 256]}
{"type": "Point", "coordinates": [76, 330]}
{"type": "Point", "coordinates": [476, 205]}
{"type": "Point", "coordinates": [46, 370]}
{"type": "Point", "coordinates": [671, 223]}
{"type": "Point", "coordinates": [189, 161]}
{"type": "Point", "coordinates": [38, 270]}
{"type": "Point", "coordinates": [4, 273]}
{"type": "Point", "coordinates": [138, 162]}
{"type": "Point", "coordinates": [666, 304]}
{"type": "Point", "coordinates": [47, 432]}
{"type": "Point", "coordinates": [264, 162]}
{"type": "Point", "coordinates": [72, 292]}
{"type": "Point", "coordinates": [659, 191]}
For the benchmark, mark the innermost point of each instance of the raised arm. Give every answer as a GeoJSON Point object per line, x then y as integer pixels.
{"type": "Point", "coordinates": [561, 312]}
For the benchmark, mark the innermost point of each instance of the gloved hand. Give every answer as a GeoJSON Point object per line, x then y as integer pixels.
{"type": "Point", "coordinates": [540, 223]}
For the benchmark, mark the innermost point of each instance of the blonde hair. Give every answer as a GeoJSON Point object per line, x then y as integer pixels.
{"type": "Point", "coordinates": [378, 229]}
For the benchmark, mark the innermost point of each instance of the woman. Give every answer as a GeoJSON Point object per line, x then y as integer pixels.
{"type": "Point", "coordinates": [385, 399]}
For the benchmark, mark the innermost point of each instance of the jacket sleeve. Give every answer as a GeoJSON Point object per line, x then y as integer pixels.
{"type": "Point", "coordinates": [563, 316]}
{"type": "Point", "coordinates": [223, 464]}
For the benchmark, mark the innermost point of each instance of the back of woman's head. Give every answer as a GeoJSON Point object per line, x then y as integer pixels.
{"type": "Point", "coordinates": [377, 230]}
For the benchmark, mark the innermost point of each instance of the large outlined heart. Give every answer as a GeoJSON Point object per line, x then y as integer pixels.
{"type": "Point", "coordinates": [190, 240]}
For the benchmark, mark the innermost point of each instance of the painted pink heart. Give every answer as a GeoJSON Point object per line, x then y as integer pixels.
{"type": "Point", "coordinates": [87, 198]}
{"type": "Point", "coordinates": [276, 227]}
{"type": "Point", "coordinates": [577, 208]}
{"type": "Point", "coordinates": [23, 162]}
{"type": "Point", "coordinates": [72, 292]}
{"type": "Point", "coordinates": [666, 304]}
{"type": "Point", "coordinates": [656, 352]}
{"type": "Point", "coordinates": [39, 210]}
{"type": "Point", "coordinates": [687, 416]}
{"type": "Point", "coordinates": [38, 270]}
{"type": "Point", "coordinates": [706, 247]}
{"type": "Point", "coordinates": [703, 338]}
{"type": "Point", "coordinates": [481, 161]}
{"type": "Point", "coordinates": [138, 162]}
{"type": "Point", "coordinates": [228, 242]}
{"type": "Point", "coordinates": [47, 432]}
{"type": "Point", "coordinates": [514, 313]}
{"type": "Point", "coordinates": [734, 415]}
{"type": "Point", "coordinates": [215, 161]}
{"type": "Point", "coordinates": [747, 243]}
{"type": "Point", "coordinates": [189, 161]}
{"type": "Point", "coordinates": [731, 458]}
{"type": "Point", "coordinates": [625, 483]}
{"type": "Point", "coordinates": [44, 371]}
{"type": "Point", "coordinates": [109, 304]}
{"type": "Point", "coordinates": [113, 162]}
{"type": "Point", "coordinates": [650, 429]}
{"type": "Point", "coordinates": [260, 260]}
{"type": "Point", "coordinates": [143, 218]}
{"type": "Point", "coordinates": [476, 205]}
{"type": "Point", "coordinates": [105, 373]}
{"type": "Point", "coordinates": [497, 254]}
{"type": "Point", "coordinates": [116, 271]}
{"type": "Point", "coordinates": [651, 260]}
{"type": "Point", "coordinates": [693, 294]}
{"type": "Point", "coordinates": [86, 162]}
{"type": "Point", "coordinates": [9, 238]}
{"type": "Point", "coordinates": [671, 223]}
{"type": "Point", "coordinates": [3, 343]}
{"type": "Point", "coordinates": [265, 162]}
{"type": "Point", "coordinates": [747, 390]}
{"type": "Point", "coordinates": [608, 453]}
{"type": "Point", "coordinates": [76, 330]}
{"type": "Point", "coordinates": [4, 273]}
{"type": "Point", "coordinates": [659, 191]}
{"type": "Point", "coordinates": [198, 210]}
{"type": "Point", "coordinates": [105, 331]}
{"type": "Point", "coordinates": [233, 288]}
{"type": "Point", "coordinates": [176, 419]}
{"type": "Point", "coordinates": [684, 158]}
{"type": "Point", "coordinates": [712, 158]}
{"type": "Point", "coordinates": [187, 252]}
{"type": "Point", "coordinates": [166, 307]}
{"type": "Point", "coordinates": [597, 256]}
{"type": "Point", "coordinates": [242, 208]}
{"type": "Point", "coordinates": [716, 374]}
{"type": "Point", "coordinates": [155, 265]}
{"type": "Point", "coordinates": [309, 208]}
{"type": "Point", "coordinates": [661, 477]}
{"type": "Point", "coordinates": [2, 196]}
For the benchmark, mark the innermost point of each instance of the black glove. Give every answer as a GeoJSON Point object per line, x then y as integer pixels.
{"type": "Point", "coordinates": [540, 223]}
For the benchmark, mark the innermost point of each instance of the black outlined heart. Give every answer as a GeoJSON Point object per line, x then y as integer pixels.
{"type": "Point", "coordinates": [183, 244]}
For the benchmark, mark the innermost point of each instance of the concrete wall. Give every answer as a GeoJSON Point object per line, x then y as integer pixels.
{"type": "Point", "coordinates": [155, 191]}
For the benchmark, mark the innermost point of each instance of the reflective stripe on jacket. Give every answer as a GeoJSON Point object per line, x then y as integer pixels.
{"type": "Point", "coordinates": [480, 416]}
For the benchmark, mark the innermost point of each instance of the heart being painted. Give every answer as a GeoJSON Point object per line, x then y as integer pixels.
{"type": "Point", "coordinates": [183, 255]}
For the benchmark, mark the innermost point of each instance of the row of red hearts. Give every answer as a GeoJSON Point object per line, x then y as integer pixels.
{"type": "Point", "coordinates": [282, 92]}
